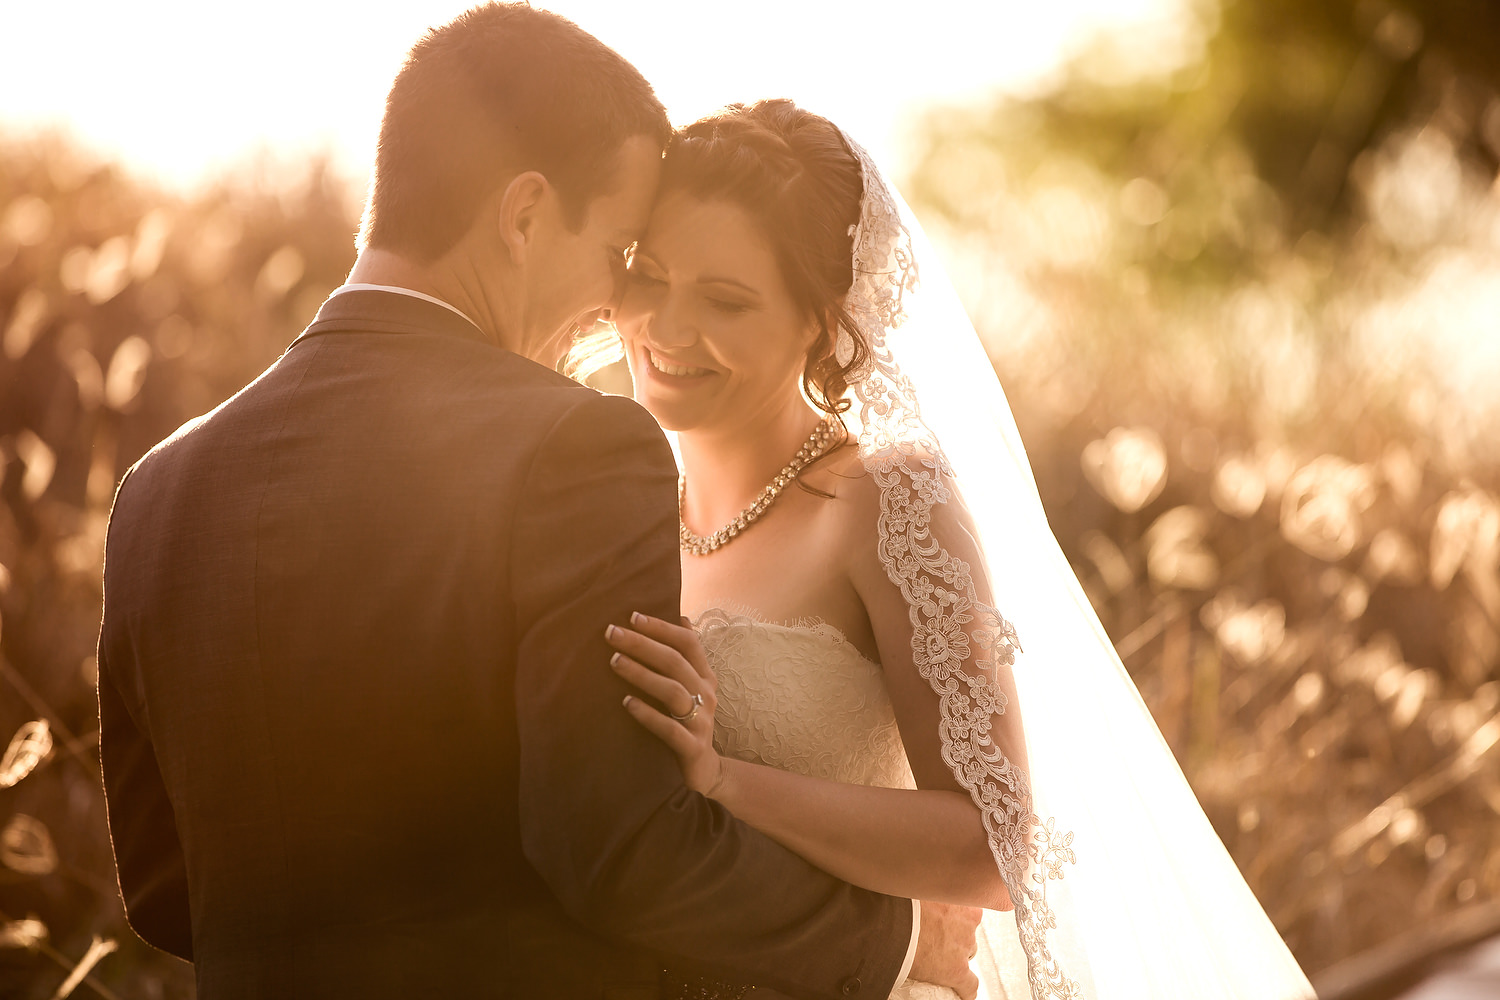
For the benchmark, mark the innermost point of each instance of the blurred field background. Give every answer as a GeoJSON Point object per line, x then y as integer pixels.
{"type": "Point", "coordinates": [1247, 311]}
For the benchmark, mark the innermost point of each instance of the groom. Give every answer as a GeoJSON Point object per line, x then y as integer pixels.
{"type": "Point", "coordinates": [357, 730]}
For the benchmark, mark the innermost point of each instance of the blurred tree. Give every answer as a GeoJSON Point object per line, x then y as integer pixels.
{"type": "Point", "coordinates": [1303, 86]}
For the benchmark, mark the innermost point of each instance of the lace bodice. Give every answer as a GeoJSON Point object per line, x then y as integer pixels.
{"type": "Point", "coordinates": [802, 698]}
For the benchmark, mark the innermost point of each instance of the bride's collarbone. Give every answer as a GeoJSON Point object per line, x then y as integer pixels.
{"type": "Point", "coordinates": [798, 539]}
{"type": "Point", "coordinates": [791, 566]}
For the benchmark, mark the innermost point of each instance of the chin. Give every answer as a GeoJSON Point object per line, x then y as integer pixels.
{"type": "Point", "coordinates": [675, 426]}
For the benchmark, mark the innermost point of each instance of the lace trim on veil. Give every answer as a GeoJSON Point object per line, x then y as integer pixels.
{"type": "Point", "coordinates": [959, 644]}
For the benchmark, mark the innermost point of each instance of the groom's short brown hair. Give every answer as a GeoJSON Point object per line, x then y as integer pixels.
{"type": "Point", "coordinates": [499, 90]}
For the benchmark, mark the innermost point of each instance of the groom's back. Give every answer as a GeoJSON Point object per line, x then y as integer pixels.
{"type": "Point", "coordinates": [310, 616]}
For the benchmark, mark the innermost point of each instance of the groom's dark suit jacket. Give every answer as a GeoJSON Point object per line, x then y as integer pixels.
{"type": "Point", "coordinates": [359, 734]}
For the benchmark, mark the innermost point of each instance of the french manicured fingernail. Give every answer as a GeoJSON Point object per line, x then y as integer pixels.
{"type": "Point", "coordinates": [614, 660]}
{"type": "Point", "coordinates": [627, 701]}
{"type": "Point", "coordinates": [609, 631]}
{"type": "Point", "coordinates": [636, 617]}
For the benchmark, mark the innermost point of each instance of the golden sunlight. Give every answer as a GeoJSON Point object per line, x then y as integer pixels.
{"type": "Point", "coordinates": [186, 89]}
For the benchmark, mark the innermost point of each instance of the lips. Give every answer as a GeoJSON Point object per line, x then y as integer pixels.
{"type": "Point", "coordinates": [672, 369]}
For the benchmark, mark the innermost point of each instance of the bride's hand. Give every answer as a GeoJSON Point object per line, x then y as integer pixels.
{"type": "Point", "coordinates": [667, 663]}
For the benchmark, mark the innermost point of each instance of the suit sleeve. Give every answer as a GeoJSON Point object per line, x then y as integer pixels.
{"type": "Point", "coordinates": [605, 817]}
{"type": "Point", "coordinates": [142, 826]}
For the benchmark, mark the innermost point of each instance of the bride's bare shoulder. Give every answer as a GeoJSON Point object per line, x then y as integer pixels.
{"type": "Point", "coordinates": [861, 499]}
{"type": "Point", "coordinates": [842, 477]}
{"type": "Point", "coordinates": [851, 514]}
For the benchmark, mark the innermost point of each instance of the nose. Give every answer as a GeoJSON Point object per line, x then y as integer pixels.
{"type": "Point", "coordinates": [669, 325]}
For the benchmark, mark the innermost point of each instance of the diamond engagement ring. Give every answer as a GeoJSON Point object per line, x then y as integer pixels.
{"type": "Point", "coordinates": [692, 713]}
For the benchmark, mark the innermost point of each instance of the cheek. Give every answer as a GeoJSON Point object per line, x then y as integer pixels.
{"type": "Point", "coordinates": [632, 308]}
{"type": "Point", "coordinates": [594, 276]}
{"type": "Point", "coordinates": [765, 357]}
{"type": "Point", "coordinates": [586, 273]}
{"type": "Point", "coordinates": [628, 324]}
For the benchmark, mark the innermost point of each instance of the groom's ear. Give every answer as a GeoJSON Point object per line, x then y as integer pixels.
{"type": "Point", "coordinates": [519, 213]}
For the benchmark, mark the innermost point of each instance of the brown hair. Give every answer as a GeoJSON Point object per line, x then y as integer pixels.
{"type": "Point", "coordinates": [793, 173]}
{"type": "Point", "coordinates": [501, 89]}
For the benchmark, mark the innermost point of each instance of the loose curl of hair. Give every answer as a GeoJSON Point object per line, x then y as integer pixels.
{"type": "Point", "coordinates": [792, 172]}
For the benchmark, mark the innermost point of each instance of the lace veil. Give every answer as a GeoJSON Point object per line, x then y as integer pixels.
{"type": "Point", "coordinates": [1121, 887]}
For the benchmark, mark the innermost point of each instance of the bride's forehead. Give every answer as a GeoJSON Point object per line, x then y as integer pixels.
{"type": "Point", "coordinates": [719, 227]}
{"type": "Point", "coordinates": [677, 208]}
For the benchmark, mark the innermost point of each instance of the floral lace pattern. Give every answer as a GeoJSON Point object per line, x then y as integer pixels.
{"type": "Point", "coordinates": [802, 698]}
{"type": "Point", "coordinates": [959, 645]}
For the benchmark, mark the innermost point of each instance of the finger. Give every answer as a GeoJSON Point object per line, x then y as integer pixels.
{"type": "Point", "coordinates": [683, 638]}
{"type": "Point", "coordinates": [656, 655]}
{"type": "Point", "coordinates": [666, 691]}
{"type": "Point", "coordinates": [677, 739]}
{"type": "Point", "coordinates": [969, 988]}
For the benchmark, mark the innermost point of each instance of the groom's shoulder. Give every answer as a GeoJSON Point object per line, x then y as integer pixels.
{"type": "Point", "coordinates": [587, 421]}
{"type": "Point", "coordinates": [562, 413]}
{"type": "Point", "coordinates": [558, 396]}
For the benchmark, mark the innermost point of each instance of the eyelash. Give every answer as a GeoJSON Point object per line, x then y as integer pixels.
{"type": "Point", "coordinates": [636, 276]}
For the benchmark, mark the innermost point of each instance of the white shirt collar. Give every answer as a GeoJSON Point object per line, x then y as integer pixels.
{"type": "Point", "coordinates": [397, 289]}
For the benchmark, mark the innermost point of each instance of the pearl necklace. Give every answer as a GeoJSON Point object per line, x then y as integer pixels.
{"type": "Point", "coordinates": [701, 545]}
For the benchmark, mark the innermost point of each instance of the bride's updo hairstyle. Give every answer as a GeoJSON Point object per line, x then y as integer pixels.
{"type": "Point", "coordinates": [792, 172]}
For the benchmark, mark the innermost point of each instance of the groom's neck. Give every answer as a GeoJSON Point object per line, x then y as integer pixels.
{"type": "Point", "coordinates": [462, 288]}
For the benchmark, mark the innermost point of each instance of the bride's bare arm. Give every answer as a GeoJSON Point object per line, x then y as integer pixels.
{"type": "Point", "coordinates": [923, 843]}
{"type": "Point", "coordinates": [927, 843]}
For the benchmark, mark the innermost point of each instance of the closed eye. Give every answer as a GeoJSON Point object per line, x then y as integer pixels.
{"type": "Point", "coordinates": [728, 307]}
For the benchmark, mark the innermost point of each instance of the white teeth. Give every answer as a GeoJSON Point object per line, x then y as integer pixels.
{"type": "Point", "coordinates": [670, 369]}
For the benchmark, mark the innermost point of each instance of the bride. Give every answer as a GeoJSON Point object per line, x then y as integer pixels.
{"type": "Point", "coordinates": [892, 670]}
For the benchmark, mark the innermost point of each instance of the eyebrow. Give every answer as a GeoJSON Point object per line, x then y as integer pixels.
{"type": "Point", "coordinates": [715, 280]}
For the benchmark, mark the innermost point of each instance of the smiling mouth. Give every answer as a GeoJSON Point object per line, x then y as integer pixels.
{"type": "Point", "coordinates": [679, 371]}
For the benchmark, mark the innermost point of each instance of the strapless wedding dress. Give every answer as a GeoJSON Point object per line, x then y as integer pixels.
{"type": "Point", "coordinates": [802, 698]}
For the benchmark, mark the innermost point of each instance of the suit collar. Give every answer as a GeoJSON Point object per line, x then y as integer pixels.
{"type": "Point", "coordinates": [371, 311]}
{"type": "Point", "coordinates": [379, 311]}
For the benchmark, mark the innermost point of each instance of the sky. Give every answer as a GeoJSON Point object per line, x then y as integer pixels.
{"type": "Point", "coordinates": [183, 90]}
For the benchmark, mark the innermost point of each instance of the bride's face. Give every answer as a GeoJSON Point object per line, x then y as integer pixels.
{"type": "Point", "coordinates": [712, 334]}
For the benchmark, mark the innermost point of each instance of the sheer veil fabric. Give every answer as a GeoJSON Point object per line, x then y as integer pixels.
{"type": "Point", "coordinates": [1122, 888]}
